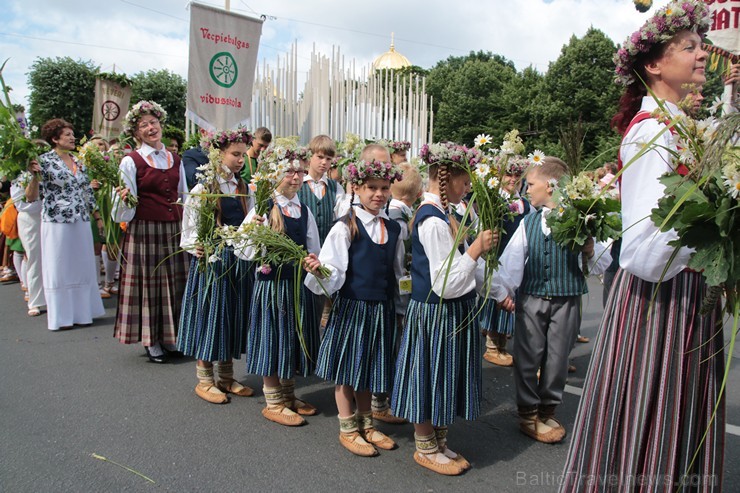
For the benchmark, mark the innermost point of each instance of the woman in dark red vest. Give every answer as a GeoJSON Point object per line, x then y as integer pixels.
{"type": "Point", "coordinates": [154, 269]}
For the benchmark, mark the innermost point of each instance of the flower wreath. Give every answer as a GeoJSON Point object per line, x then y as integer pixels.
{"type": "Point", "coordinates": [279, 160]}
{"type": "Point", "coordinates": [221, 140]}
{"type": "Point", "coordinates": [131, 120]}
{"type": "Point", "coordinates": [399, 146]}
{"type": "Point", "coordinates": [679, 15]}
{"type": "Point", "coordinates": [303, 153]}
{"type": "Point", "coordinates": [517, 165]}
{"type": "Point", "coordinates": [450, 153]}
{"type": "Point", "coordinates": [362, 170]}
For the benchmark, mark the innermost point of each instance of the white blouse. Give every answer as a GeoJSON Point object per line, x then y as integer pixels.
{"type": "Point", "coordinates": [291, 208]}
{"type": "Point", "coordinates": [645, 250]}
{"type": "Point", "coordinates": [335, 252]}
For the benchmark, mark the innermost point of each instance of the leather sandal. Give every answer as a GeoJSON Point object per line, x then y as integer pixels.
{"type": "Point", "coordinates": [354, 442]}
{"type": "Point", "coordinates": [378, 438]}
{"type": "Point", "coordinates": [386, 416]}
{"type": "Point", "coordinates": [282, 415]}
{"type": "Point", "coordinates": [235, 388]}
{"type": "Point", "coordinates": [34, 312]}
{"type": "Point", "coordinates": [211, 393]}
{"type": "Point", "coordinates": [537, 430]}
{"type": "Point", "coordinates": [498, 357]}
{"type": "Point", "coordinates": [304, 408]}
{"type": "Point", "coordinates": [449, 469]}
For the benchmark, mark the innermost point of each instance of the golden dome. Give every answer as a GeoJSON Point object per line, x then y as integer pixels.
{"type": "Point", "coordinates": [391, 59]}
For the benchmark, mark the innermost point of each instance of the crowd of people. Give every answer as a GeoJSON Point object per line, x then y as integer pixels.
{"type": "Point", "coordinates": [346, 312]}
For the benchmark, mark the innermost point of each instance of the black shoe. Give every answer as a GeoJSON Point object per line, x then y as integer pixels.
{"type": "Point", "coordinates": [156, 359]}
{"type": "Point", "coordinates": [172, 354]}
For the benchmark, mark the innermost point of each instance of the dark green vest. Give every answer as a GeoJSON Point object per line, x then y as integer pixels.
{"type": "Point", "coordinates": [551, 270]}
{"type": "Point", "coordinates": [322, 209]}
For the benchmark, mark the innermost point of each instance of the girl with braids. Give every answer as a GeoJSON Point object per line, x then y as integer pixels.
{"type": "Point", "coordinates": [275, 349]}
{"type": "Point", "coordinates": [365, 254]}
{"type": "Point", "coordinates": [647, 412]}
{"type": "Point", "coordinates": [438, 371]}
{"type": "Point", "coordinates": [214, 320]}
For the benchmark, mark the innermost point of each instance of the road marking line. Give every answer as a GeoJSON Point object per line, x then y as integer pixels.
{"type": "Point", "coordinates": [729, 429]}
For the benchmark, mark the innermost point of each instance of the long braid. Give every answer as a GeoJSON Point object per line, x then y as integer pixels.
{"type": "Point", "coordinates": [443, 176]}
{"type": "Point", "coordinates": [351, 220]}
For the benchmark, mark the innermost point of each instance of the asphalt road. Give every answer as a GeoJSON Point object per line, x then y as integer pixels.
{"type": "Point", "coordinates": [68, 395]}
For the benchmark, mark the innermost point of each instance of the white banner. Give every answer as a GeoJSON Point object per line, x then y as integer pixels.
{"type": "Point", "coordinates": [725, 29]}
{"type": "Point", "coordinates": [223, 57]}
{"type": "Point", "coordinates": [111, 105]}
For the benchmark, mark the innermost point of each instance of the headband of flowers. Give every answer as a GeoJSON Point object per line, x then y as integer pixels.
{"type": "Point", "coordinates": [303, 153]}
{"type": "Point", "coordinates": [362, 170]}
{"type": "Point", "coordinates": [517, 165]}
{"type": "Point", "coordinates": [221, 140]}
{"type": "Point", "coordinates": [398, 146]}
{"type": "Point", "coordinates": [450, 153]}
{"type": "Point", "coordinates": [679, 15]}
{"type": "Point", "coordinates": [131, 120]}
{"type": "Point", "coordinates": [279, 159]}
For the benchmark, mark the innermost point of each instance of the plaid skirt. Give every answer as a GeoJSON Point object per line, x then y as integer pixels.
{"type": "Point", "coordinates": [275, 343]}
{"type": "Point", "coordinates": [650, 392]}
{"type": "Point", "coordinates": [357, 349]}
{"type": "Point", "coordinates": [213, 320]}
{"type": "Point", "coordinates": [153, 274]}
{"type": "Point", "coordinates": [438, 371]}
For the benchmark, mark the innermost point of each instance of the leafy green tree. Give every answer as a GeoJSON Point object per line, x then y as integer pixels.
{"type": "Point", "coordinates": [62, 88]}
{"type": "Point", "coordinates": [580, 87]}
{"type": "Point", "coordinates": [166, 88]}
{"type": "Point", "coordinates": [468, 98]}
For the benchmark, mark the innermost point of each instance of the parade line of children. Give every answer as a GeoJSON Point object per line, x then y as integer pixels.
{"type": "Point", "coordinates": [393, 356]}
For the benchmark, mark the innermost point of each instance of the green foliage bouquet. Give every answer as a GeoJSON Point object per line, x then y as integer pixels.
{"type": "Point", "coordinates": [583, 211]}
{"type": "Point", "coordinates": [16, 148]}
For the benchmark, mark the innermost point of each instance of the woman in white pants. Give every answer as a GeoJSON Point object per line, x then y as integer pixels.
{"type": "Point", "coordinates": [29, 231]}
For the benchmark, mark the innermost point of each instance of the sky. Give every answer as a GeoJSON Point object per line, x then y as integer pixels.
{"type": "Point", "coordinates": [138, 35]}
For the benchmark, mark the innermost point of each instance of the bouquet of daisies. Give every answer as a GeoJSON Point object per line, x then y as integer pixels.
{"type": "Point", "coordinates": [583, 211]}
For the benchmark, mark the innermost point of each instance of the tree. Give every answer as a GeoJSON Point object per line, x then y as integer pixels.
{"type": "Point", "coordinates": [166, 88]}
{"type": "Point", "coordinates": [580, 87]}
{"type": "Point", "coordinates": [62, 88]}
{"type": "Point", "coordinates": [468, 98]}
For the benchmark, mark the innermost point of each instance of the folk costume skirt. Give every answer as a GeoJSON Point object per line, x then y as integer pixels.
{"type": "Point", "coordinates": [70, 274]}
{"type": "Point", "coordinates": [650, 392]}
{"type": "Point", "coordinates": [438, 371]}
{"type": "Point", "coordinates": [494, 320]}
{"type": "Point", "coordinates": [154, 270]}
{"type": "Point", "coordinates": [357, 348]}
{"type": "Point", "coordinates": [276, 343]}
{"type": "Point", "coordinates": [214, 317]}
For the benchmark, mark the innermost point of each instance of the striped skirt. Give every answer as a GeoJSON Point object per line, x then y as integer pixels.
{"type": "Point", "coordinates": [154, 270]}
{"type": "Point", "coordinates": [357, 349]}
{"type": "Point", "coordinates": [492, 319]}
{"type": "Point", "coordinates": [438, 371]}
{"type": "Point", "coordinates": [274, 344]}
{"type": "Point", "coordinates": [650, 392]}
{"type": "Point", "coordinates": [214, 318]}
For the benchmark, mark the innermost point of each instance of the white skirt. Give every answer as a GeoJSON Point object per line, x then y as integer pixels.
{"type": "Point", "coordinates": [70, 275]}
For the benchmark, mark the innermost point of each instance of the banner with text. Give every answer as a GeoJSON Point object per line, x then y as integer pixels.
{"type": "Point", "coordinates": [725, 29]}
{"type": "Point", "coordinates": [223, 58]}
{"type": "Point", "coordinates": [111, 105]}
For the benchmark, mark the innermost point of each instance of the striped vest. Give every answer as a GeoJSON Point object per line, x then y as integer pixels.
{"type": "Point", "coordinates": [551, 270]}
{"type": "Point", "coordinates": [323, 209]}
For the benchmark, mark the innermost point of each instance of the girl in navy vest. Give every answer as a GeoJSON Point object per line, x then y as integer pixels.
{"type": "Point", "coordinates": [438, 371]}
{"type": "Point", "coordinates": [365, 254]}
{"type": "Point", "coordinates": [154, 268]}
{"type": "Point", "coordinates": [548, 305]}
{"type": "Point", "coordinates": [274, 348]}
{"type": "Point", "coordinates": [652, 388]}
{"type": "Point", "coordinates": [214, 322]}
{"type": "Point", "coordinates": [499, 324]}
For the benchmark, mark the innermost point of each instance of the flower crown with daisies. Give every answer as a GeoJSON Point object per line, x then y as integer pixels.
{"type": "Point", "coordinates": [362, 170]}
{"type": "Point", "coordinates": [450, 153]}
{"type": "Point", "coordinates": [131, 120]}
{"type": "Point", "coordinates": [679, 15]}
{"type": "Point", "coordinates": [398, 146]}
{"type": "Point", "coordinates": [517, 165]}
{"type": "Point", "coordinates": [279, 159]}
{"type": "Point", "coordinates": [221, 140]}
